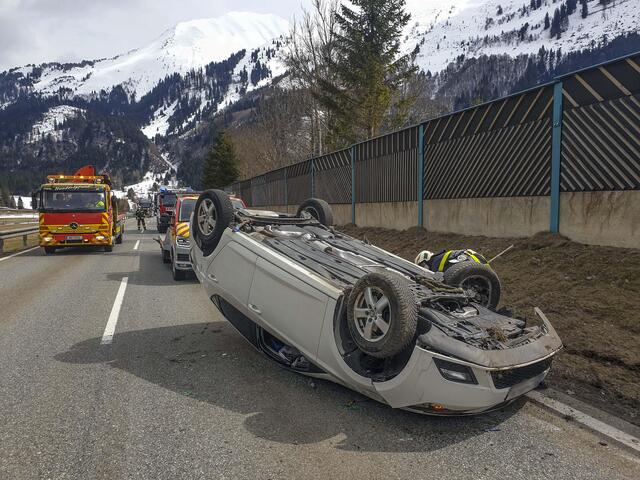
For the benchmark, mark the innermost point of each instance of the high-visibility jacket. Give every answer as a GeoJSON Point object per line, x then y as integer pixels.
{"type": "Point", "coordinates": [442, 260]}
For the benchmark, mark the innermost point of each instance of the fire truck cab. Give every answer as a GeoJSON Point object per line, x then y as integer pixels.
{"type": "Point", "coordinates": [165, 208]}
{"type": "Point", "coordinates": [78, 210]}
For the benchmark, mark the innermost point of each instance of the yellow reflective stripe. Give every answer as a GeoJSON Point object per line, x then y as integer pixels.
{"type": "Point", "coordinates": [475, 259]}
{"type": "Point", "coordinates": [444, 260]}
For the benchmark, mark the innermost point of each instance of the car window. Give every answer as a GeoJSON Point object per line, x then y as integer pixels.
{"type": "Point", "coordinates": [186, 209]}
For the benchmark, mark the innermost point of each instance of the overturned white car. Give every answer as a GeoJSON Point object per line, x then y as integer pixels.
{"type": "Point", "coordinates": [327, 305]}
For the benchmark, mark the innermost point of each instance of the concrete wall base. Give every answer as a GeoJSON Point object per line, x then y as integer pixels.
{"type": "Point", "coordinates": [396, 215]}
{"type": "Point", "coordinates": [601, 218]}
{"type": "Point", "coordinates": [491, 217]}
{"type": "Point", "coordinates": [596, 218]}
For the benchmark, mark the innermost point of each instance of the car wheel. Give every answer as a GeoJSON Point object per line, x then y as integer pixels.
{"type": "Point", "coordinates": [49, 250]}
{"type": "Point", "coordinates": [177, 274]}
{"type": "Point", "coordinates": [382, 314]}
{"type": "Point", "coordinates": [108, 248]}
{"type": "Point", "coordinates": [318, 209]}
{"type": "Point", "coordinates": [165, 256]}
{"type": "Point", "coordinates": [213, 213]}
{"type": "Point", "coordinates": [478, 278]}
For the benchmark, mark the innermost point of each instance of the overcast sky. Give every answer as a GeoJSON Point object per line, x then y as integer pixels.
{"type": "Point", "coordinates": [36, 31]}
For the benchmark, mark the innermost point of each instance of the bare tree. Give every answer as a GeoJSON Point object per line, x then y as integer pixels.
{"type": "Point", "coordinates": [271, 137]}
{"type": "Point", "coordinates": [308, 58]}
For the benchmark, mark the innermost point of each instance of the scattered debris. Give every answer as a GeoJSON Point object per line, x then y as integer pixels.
{"type": "Point", "coordinates": [492, 429]}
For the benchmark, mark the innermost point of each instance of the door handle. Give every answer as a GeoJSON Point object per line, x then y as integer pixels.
{"type": "Point", "coordinates": [255, 308]}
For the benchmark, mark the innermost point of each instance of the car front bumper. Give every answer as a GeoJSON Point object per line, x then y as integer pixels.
{"type": "Point", "coordinates": [421, 386]}
{"type": "Point", "coordinates": [182, 258]}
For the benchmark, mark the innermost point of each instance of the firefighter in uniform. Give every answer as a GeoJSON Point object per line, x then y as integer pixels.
{"type": "Point", "coordinates": [140, 218]}
{"type": "Point", "coordinates": [441, 261]}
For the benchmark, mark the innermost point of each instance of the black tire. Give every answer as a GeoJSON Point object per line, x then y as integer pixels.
{"type": "Point", "coordinates": [319, 209]}
{"type": "Point", "coordinates": [400, 315]}
{"type": "Point", "coordinates": [49, 250]}
{"type": "Point", "coordinates": [221, 212]}
{"type": "Point", "coordinates": [108, 248]}
{"type": "Point", "coordinates": [478, 277]}
{"type": "Point", "coordinates": [178, 275]}
{"type": "Point", "coordinates": [166, 258]}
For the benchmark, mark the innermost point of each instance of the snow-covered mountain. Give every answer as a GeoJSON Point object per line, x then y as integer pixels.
{"type": "Point", "coordinates": [447, 29]}
{"type": "Point", "coordinates": [165, 92]}
{"type": "Point", "coordinates": [185, 47]}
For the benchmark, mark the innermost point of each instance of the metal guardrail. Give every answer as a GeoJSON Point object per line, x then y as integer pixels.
{"type": "Point", "coordinates": [18, 232]}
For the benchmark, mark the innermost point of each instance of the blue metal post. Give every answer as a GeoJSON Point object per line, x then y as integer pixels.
{"type": "Point", "coordinates": [556, 151]}
{"type": "Point", "coordinates": [353, 184]}
{"type": "Point", "coordinates": [313, 187]}
{"type": "Point", "coordinates": [420, 172]}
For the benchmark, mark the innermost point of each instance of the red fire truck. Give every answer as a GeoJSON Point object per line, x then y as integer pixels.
{"type": "Point", "coordinates": [78, 210]}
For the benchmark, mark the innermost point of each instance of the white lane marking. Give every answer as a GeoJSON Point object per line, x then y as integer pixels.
{"type": "Point", "coordinates": [19, 253]}
{"type": "Point", "coordinates": [135, 247]}
{"type": "Point", "coordinates": [588, 421]}
{"type": "Point", "coordinates": [107, 336]}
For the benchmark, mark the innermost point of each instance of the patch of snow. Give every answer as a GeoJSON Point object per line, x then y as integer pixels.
{"type": "Point", "coordinates": [26, 201]}
{"type": "Point", "coordinates": [160, 122]}
{"type": "Point", "coordinates": [51, 120]}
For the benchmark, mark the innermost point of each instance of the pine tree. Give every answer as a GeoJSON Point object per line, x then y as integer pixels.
{"type": "Point", "coordinates": [12, 202]}
{"type": "Point", "coordinates": [584, 11]}
{"type": "Point", "coordinates": [20, 203]}
{"type": "Point", "coordinates": [555, 24]}
{"type": "Point", "coordinates": [547, 21]}
{"type": "Point", "coordinates": [221, 166]}
{"type": "Point", "coordinates": [369, 69]}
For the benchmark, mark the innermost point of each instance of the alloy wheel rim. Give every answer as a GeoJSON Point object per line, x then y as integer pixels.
{"type": "Point", "coordinates": [206, 216]}
{"type": "Point", "coordinates": [372, 314]}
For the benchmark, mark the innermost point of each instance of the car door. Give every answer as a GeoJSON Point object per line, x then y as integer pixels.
{"type": "Point", "coordinates": [230, 274]}
{"type": "Point", "coordinates": [290, 307]}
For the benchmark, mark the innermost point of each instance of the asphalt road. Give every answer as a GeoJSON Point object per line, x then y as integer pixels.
{"type": "Point", "coordinates": [178, 394]}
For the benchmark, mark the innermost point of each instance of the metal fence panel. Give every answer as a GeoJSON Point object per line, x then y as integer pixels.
{"type": "Point", "coordinates": [258, 191]}
{"type": "Point", "coordinates": [298, 182]}
{"type": "Point", "coordinates": [386, 168]}
{"type": "Point", "coordinates": [601, 146]}
{"type": "Point", "coordinates": [332, 177]}
{"type": "Point", "coordinates": [512, 161]}
{"type": "Point", "coordinates": [244, 191]}
{"type": "Point", "coordinates": [275, 188]}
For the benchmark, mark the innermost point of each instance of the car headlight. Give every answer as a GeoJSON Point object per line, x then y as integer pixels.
{"type": "Point", "coordinates": [183, 241]}
{"type": "Point", "coordinates": [455, 372]}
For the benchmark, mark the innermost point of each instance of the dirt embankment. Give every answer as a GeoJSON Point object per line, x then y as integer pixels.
{"type": "Point", "coordinates": [591, 294]}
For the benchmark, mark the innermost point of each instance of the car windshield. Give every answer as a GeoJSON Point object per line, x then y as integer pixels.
{"type": "Point", "coordinates": [169, 200]}
{"type": "Point", "coordinates": [186, 209]}
{"type": "Point", "coordinates": [73, 198]}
